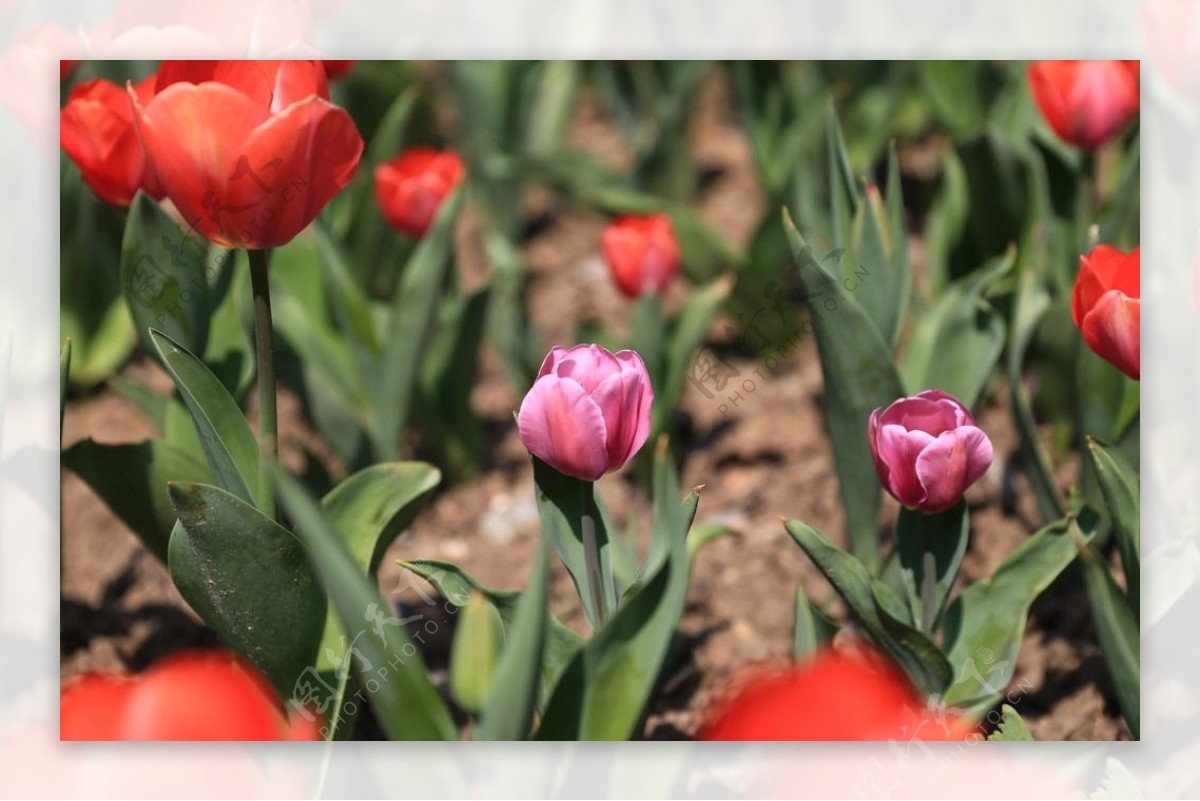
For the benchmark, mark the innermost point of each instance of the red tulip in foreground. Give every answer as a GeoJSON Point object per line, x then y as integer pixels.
{"type": "Point", "coordinates": [248, 151]}
{"type": "Point", "coordinates": [1107, 306]}
{"type": "Point", "coordinates": [411, 187]}
{"type": "Point", "coordinates": [1085, 102]}
{"type": "Point", "coordinates": [588, 412]}
{"type": "Point", "coordinates": [928, 450]}
{"type": "Point", "coordinates": [642, 253]}
{"type": "Point", "coordinates": [832, 697]}
{"type": "Point", "coordinates": [209, 695]}
{"type": "Point", "coordinates": [96, 131]}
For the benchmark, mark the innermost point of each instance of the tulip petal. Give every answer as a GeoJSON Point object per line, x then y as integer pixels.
{"type": "Point", "coordinates": [1112, 329]}
{"type": "Point", "coordinates": [953, 462]}
{"type": "Point", "coordinates": [590, 365]}
{"type": "Point", "coordinates": [561, 425]}
{"type": "Point", "coordinates": [920, 414]}
{"type": "Point", "coordinates": [898, 450]}
{"type": "Point", "coordinates": [622, 397]}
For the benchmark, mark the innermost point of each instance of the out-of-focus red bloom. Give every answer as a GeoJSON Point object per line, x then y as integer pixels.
{"type": "Point", "coordinates": [834, 697]}
{"type": "Point", "coordinates": [411, 187]}
{"type": "Point", "coordinates": [96, 130]}
{"type": "Point", "coordinates": [336, 69]}
{"type": "Point", "coordinates": [248, 151]}
{"type": "Point", "coordinates": [64, 68]}
{"type": "Point", "coordinates": [203, 695]}
{"type": "Point", "coordinates": [1086, 102]}
{"type": "Point", "coordinates": [1107, 306]}
{"type": "Point", "coordinates": [642, 252]}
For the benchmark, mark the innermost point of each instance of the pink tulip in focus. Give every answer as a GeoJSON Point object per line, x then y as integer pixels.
{"type": "Point", "coordinates": [928, 450]}
{"type": "Point", "coordinates": [588, 412]}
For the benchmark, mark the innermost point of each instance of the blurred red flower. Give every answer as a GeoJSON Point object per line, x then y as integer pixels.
{"type": "Point", "coordinates": [1107, 306]}
{"type": "Point", "coordinates": [642, 253]}
{"type": "Point", "coordinates": [1086, 102]}
{"type": "Point", "coordinates": [411, 187]}
{"type": "Point", "coordinates": [337, 69]}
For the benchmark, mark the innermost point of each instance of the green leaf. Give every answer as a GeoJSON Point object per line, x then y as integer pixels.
{"type": "Point", "coordinates": [859, 377]}
{"type": "Point", "coordinates": [931, 548]}
{"type": "Point", "coordinates": [132, 481]}
{"type": "Point", "coordinates": [1012, 728]}
{"type": "Point", "coordinates": [945, 223]}
{"type": "Point", "coordinates": [404, 700]}
{"type": "Point", "coordinates": [508, 713]}
{"type": "Point", "coordinates": [1120, 485]}
{"type": "Point", "coordinates": [686, 335]}
{"type": "Point", "coordinates": [1117, 630]}
{"type": "Point", "coordinates": [983, 627]}
{"type": "Point", "coordinates": [560, 501]}
{"type": "Point", "coordinates": [843, 188]}
{"type": "Point", "coordinates": [812, 630]}
{"type": "Point", "coordinates": [604, 691]}
{"type": "Point", "coordinates": [248, 578]}
{"type": "Point", "coordinates": [879, 615]}
{"type": "Point", "coordinates": [702, 535]}
{"type": "Point", "coordinates": [226, 437]}
{"type": "Point", "coordinates": [478, 641]}
{"type": "Point", "coordinates": [413, 313]}
{"type": "Point", "coordinates": [64, 372]}
{"type": "Point", "coordinates": [876, 257]}
{"type": "Point", "coordinates": [954, 88]}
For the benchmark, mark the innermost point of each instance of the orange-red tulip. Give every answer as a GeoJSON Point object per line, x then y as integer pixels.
{"type": "Point", "coordinates": [202, 695]}
{"type": "Point", "coordinates": [96, 130]}
{"type": "Point", "coordinates": [642, 253]}
{"type": "Point", "coordinates": [336, 69]}
{"type": "Point", "coordinates": [411, 187]}
{"type": "Point", "coordinates": [248, 151]}
{"type": "Point", "coordinates": [1107, 306]}
{"type": "Point", "coordinates": [834, 697]}
{"type": "Point", "coordinates": [1085, 102]}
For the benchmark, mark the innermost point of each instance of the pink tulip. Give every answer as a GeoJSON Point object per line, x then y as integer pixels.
{"type": "Point", "coordinates": [588, 412]}
{"type": "Point", "coordinates": [928, 450]}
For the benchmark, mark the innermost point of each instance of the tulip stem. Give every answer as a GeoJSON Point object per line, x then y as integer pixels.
{"type": "Point", "coordinates": [591, 552]}
{"type": "Point", "coordinates": [264, 349]}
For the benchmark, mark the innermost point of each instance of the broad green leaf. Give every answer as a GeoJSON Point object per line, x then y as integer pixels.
{"type": "Point", "coordinates": [648, 336]}
{"type": "Point", "coordinates": [478, 641]}
{"type": "Point", "coordinates": [856, 364]}
{"type": "Point", "coordinates": [249, 579]}
{"type": "Point", "coordinates": [1012, 728]}
{"type": "Point", "coordinates": [930, 549]}
{"type": "Point", "coordinates": [945, 223]}
{"type": "Point", "coordinates": [224, 433]}
{"type": "Point", "coordinates": [132, 480]}
{"type": "Point", "coordinates": [147, 401]}
{"type": "Point", "coordinates": [604, 691]}
{"type": "Point", "coordinates": [955, 345]}
{"type": "Point", "coordinates": [1120, 485]}
{"type": "Point", "coordinates": [413, 312]}
{"type": "Point", "coordinates": [983, 627]}
{"type": "Point", "coordinates": [404, 700]}
{"type": "Point", "coordinates": [1117, 630]}
{"type": "Point", "coordinates": [560, 500]}
{"type": "Point", "coordinates": [456, 585]}
{"type": "Point", "coordinates": [879, 615]}
{"type": "Point", "coordinates": [508, 713]}
{"type": "Point", "coordinates": [812, 630]}
{"type": "Point", "coordinates": [165, 275]}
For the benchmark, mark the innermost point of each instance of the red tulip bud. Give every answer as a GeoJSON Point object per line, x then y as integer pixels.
{"type": "Point", "coordinates": [1085, 102]}
{"type": "Point", "coordinates": [642, 253]}
{"type": "Point", "coordinates": [1107, 306]}
{"type": "Point", "coordinates": [411, 187]}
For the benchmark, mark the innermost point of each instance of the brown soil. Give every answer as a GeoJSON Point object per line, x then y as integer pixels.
{"type": "Point", "coordinates": [766, 458]}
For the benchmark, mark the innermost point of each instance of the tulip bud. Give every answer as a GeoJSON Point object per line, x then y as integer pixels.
{"type": "Point", "coordinates": [833, 697]}
{"type": "Point", "coordinates": [642, 253]}
{"type": "Point", "coordinates": [1085, 102]}
{"type": "Point", "coordinates": [411, 187]}
{"type": "Point", "coordinates": [928, 450]}
{"type": "Point", "coordinates": [588, 412]}
{"type": "Point", "coordinates": [1107, 306]}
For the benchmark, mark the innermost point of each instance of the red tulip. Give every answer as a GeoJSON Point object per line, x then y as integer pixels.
{"type": "Point", "coordinates": [1085, 102]}
{"type": "Point", "coordinates": [96, 130]}
{"type": "Point", "coordinates": [64, 68]}
{"type": "Point", "coordinates": [1107, 306]}
{"type": "Point", "coordinates": [832, 697]}
{"type": "Point", "coordinates": [411, 187]}
{"type": "Point", "coordinates": [248, 151]}
{"type": "Point", "coordinates": [642, 253]}
{"type": "Point", "coordinates": [337, 69]}
{"type": "Point", "coordinates": [210, 695]}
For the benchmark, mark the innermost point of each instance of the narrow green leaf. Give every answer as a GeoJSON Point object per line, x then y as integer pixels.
{"type": "Point", "coordinates": [686, 335]}
{"type": "Point", "coordinates": [843, 188]}
{"type": "Point", "coordinates": [147, 401]}
{"type": "Point", "coordinates": [226, 437]}
{"type": "Point", "coordinates": [249, 579]}
{"type": "Point", "coordinates": [404, 700]}
{"type": "Point", "coordinates": [930, 549]}
{"type": "Point", "coordinates": [132, 481]}
{"type": "Point", "coordinates": [983, 627]}
{"type": "Point", "coordinates": [478, 641]}
{"type": "Point", "coordinates": [1120, 485]}
{"type": "Point", "coordinates": [859, 377]}
{"type": "Point", "coordinates": [702, 535]}
{"type": "Point", "coordinates": [1117, 630]}
{"type": "Point", "coordinates": [508, 713]}
{"type": "Point", "coordinates": [64, 372]}
{"type": "Point", "coordinates": [1012, 728]}
{"type": "Point", "coordinates": [879, 615]}
{"type": "Point", "coordinates": [812, 630]}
